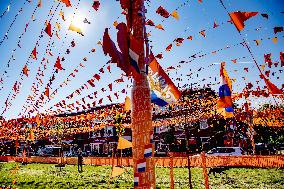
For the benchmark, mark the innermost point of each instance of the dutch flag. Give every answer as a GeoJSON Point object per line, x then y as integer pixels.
{"type": "Point", "coordinates": [148, 150]}
{"type": "Point", "coordinates": [136, 179]}
{"type": "Point", "coordinates": [141, 165]}
{"type": "Point", "coordinates": [152, 137]}
{"type": "Point", "coordinates": [134, 55]}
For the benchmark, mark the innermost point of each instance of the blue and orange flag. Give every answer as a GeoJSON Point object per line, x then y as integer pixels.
{"type": "Point", "coordinates": [224, 103]}
{"type": "Point", "coordinates": [163, 90]}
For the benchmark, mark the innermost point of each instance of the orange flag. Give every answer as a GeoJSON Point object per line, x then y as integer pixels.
{"type": "Point", "coordinates": [116, 171]}
{"type": "Point", "coordinates": [239, 18]}
{"type": "Point", "coordinates": [271, 87]}
{"type": "Point", "coordinates": [26, 70]}
{"type": "Point", "coordinates": [66, 2]}
{"type": "Point", "coordinates": [46, 92]}
{"type": "Point", "coordinates": [34, 54]}
{"type": "Point", "coordinates": [48, 29]}
{"type": "Point", "coordinates": [127, 104]}
{"type": "Point", "coordinates": [175, 14]}
{"type": "Point", "coordinates": [123, 143]}
{"type": "Point", "coordinates": [159, 26]}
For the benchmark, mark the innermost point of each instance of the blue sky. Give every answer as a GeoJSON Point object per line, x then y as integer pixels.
{"type": "Point", "coordinates": [194, 17]}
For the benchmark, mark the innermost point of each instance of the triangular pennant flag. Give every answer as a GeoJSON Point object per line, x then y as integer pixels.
{"type": "Point", "coordinates": [163, 12]}
{"type": "Point", "coordinates": [127, 104]}
{"type": "Point", "coordinates": [46, 93]}
{"type": "Point", "coordinates": [215, 25]}
{"type": "Point", "coordinates": [239, 18]}
{"type": "Point", "coordinates": [257, 42]}
{"type": "Point", "coordinates": [66, 2]}
{"type": "Point", "coordinates": [48, 29]}
{"type": "Point", "coordinates": [160, 27]}
{"type": "Point", "coordinates": [274, 39]}
{"type": "Point", "coordinates": [96, 5]}
{"type": "Point", "coordinates": [116, 171]}
{"type": "Point", "coordinates": [39, 4]}
{"type": "Point", "coordinates": [202, 33]}
{"type": "Point", "coordinates": [175, 14]}
{"type": "Point", "coordinates": [278, 29]}
{"type": "Point", "coordinates": [57, 64]}
{"type": "Point", "coordinates": [57, 25]}
{"type": "Point", "coordinates": [271, 87]}
{"type": "Point", "coordinates": [61, 14]}
{"type": "Point", "coordinates": [74, 28]}
{"type": "Point", "coordinates": [169, 47]}
{"type": "Point", "coordinates": [123, 143]}
{"type": "Point", "coordinates": [34, 54]}
{"type": "Point", "coordinates": [26, 70]}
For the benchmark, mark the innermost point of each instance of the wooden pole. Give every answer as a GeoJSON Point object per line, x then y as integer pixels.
{"type": "Point", "coordinates": [189, 172]}
{"type": "Point", "coordinates": [172, 181]}
{"type": "Point", "coordinates": [141, 118]}
{"type": "Point", "coordinates": [205, 175]}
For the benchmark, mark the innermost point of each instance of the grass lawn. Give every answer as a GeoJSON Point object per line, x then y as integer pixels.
{"type": "Point", "coordinates": [48, 176]}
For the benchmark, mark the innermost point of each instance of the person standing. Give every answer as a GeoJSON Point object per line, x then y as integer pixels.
{"type": "Point", "coordinates": [80, 160]}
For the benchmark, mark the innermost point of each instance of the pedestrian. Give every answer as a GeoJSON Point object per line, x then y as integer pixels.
{"type": "Point", "coordinates": [80, 160]}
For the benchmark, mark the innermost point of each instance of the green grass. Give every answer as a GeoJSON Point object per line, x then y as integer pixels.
{"type": "Point", "coordinates": [48, 176]}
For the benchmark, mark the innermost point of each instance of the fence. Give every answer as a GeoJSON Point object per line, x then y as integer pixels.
{"type": "Point", "coordinates": [195, 161]}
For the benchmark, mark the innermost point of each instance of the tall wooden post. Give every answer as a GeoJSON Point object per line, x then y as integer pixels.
{"type": "Point", "coordinates": [141, 118]}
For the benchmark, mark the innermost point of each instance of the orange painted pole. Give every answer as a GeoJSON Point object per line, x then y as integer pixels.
{"type": "Point", "coordinates": [205, 175]}
{"type": "Point", "coordinates": [141, 118]}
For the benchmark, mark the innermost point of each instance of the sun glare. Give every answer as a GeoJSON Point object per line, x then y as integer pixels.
{"type": "Point", "coordinates": [77, 20]}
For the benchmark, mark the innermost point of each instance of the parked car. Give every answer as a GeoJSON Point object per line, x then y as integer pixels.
{"type": "Point", "coordinates": [49, 151]}
{"type": "Point", "coordinates": [264, 149]}
{"type": "Point", "coordinates": [226, 151]}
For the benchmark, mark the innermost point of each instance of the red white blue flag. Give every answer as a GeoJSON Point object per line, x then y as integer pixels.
{"type": "Point", "coordinates": [141, 165]}
{"type": "Point", "coordinates": [148, 150]}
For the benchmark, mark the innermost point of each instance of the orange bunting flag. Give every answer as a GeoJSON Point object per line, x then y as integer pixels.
{"type": "Point", "coordinates": [127, 104]}
{"type": "Point", "coordinates": [175, 14]}
{"type": "Point", "coordinates": [61, 14]}
{"type": "Point", "coordinates": [57, 64]}
{"type": "Point", "coordinates": [26, 70]}
{"type": "Point", "coordinates": [149, 23]}
{"type": "Point", "coordinates": [275, 40]}
{"type": "Point", "coordinates": [163, 12]}
{"type": "Point", "coordinates": [257, 42]}
{"type": "Point", "coordinates": [239, 18]}
{"type": "Point", "coordinates": [123, 143]}
{"type": "Point", "coordinates": [57, 35]}
{"type": "Point", "coordinates": [271, 87]}
{"type": "Point", "coordinates": [202, 33]}
{"type": "Point", "coordinates": [189, 38]}
{"type": "Point", "coordinates": [34, 54]}
{"type": "Point", "coordinates": [66, 2]}
{"type": "Point", "coordinates": [115, 23]}
{"type": "Point", "coordinates": [48, 29]}
{"type": "Point", "coordinates": [169, 47]}
{"type": "Point", "coordinates": [116, 171]}
{"type": "Point", "coordinates": [74, 28]}
{"type": "Point", "coordinates": [160, 27]}
{"type": "Point", "coordinates": [46, 92]}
